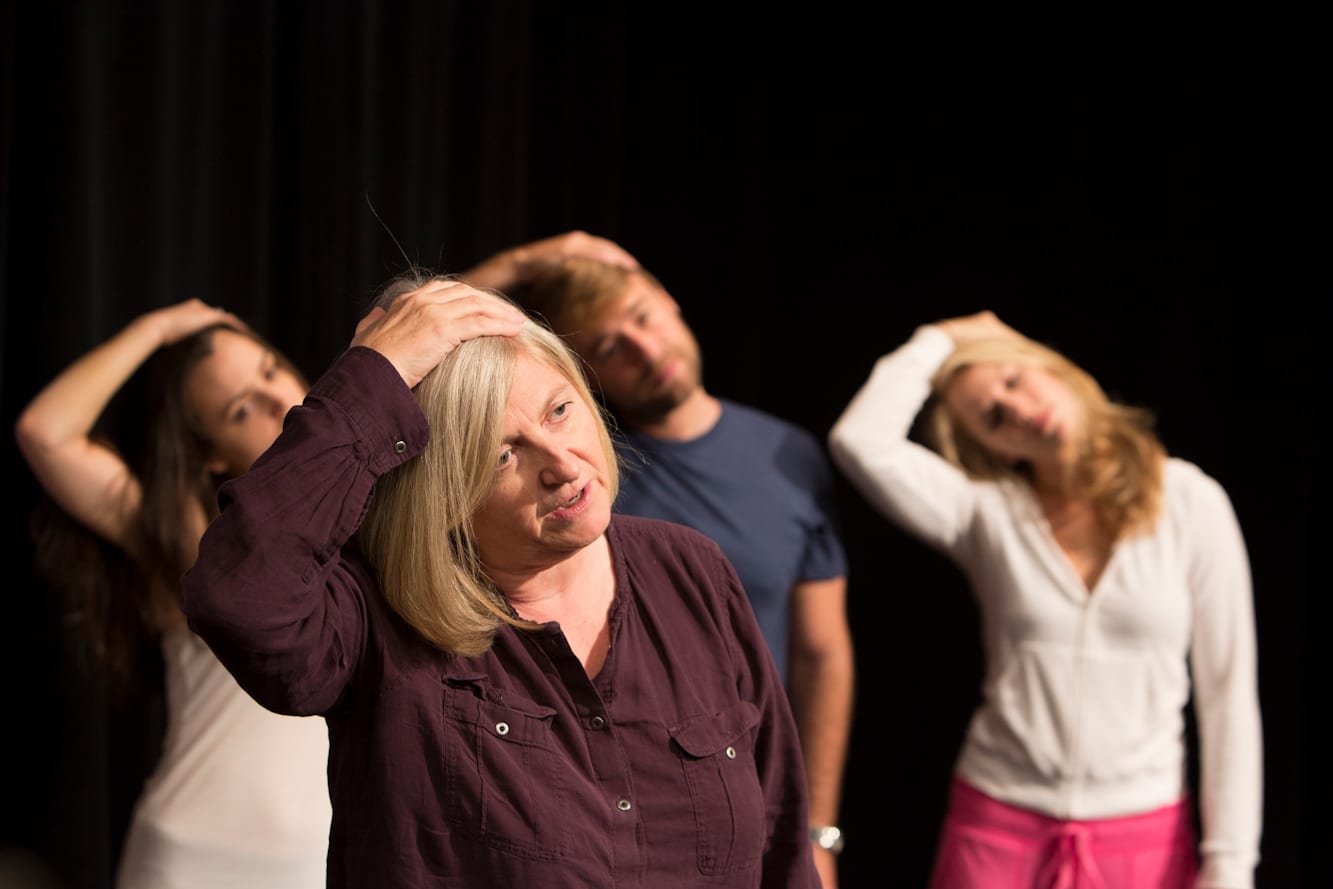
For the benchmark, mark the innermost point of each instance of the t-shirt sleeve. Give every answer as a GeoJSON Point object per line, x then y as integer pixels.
{"type": "Point", "coordinates": [825, 556]}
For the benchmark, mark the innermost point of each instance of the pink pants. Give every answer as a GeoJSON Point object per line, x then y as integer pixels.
{"type": "Point", "coordinates": [987, 844]}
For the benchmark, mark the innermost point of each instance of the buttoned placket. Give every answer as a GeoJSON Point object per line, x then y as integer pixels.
{"type": "Point", "coordinates": [609, 763]}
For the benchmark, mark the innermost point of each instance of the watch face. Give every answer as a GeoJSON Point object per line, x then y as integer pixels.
{"type": "Point", "coordinates": [829, 838]}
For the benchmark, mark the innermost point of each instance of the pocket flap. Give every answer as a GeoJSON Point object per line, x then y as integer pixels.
{"type": "Point", "coordinates": [708, 734]}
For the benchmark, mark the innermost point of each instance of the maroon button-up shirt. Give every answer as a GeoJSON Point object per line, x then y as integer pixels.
{"type": "Point", "coordinates": [677, 766]}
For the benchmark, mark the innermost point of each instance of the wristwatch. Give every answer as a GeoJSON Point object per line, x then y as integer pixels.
{"type": "Point", "coordinates": [826, 836]}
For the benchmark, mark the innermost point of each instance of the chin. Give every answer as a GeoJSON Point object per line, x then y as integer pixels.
{"type": "Point", "coordinates": [574, 536]}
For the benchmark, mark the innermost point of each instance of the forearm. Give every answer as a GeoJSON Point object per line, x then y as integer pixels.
{"type": "Point", "coordinates": [821, 693]}
{"type": "Point", "coordinates": [908, 483]}
{"type": "Point", "coordinates": [269, 591]}
{"type": "Point", "coordinates": [1231, 761]}
{"type": "Point", "coordinates": [501, 271]}
{"type": "Point", "coordinates": [516, 266]}
{"type": "Point", "coordinates": [65, 411]}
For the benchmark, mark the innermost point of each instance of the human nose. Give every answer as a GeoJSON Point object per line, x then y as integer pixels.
{"type": "Point", "coordinates": [559, 466]}
{"type": "Point", "coordinates": [644, 345]}
{"type": "Point", "coordinates": [1009, 410]}
{"type": "Point", "coordinates": [278, 399]}
{"type": "Point", "coordinates": [1023, 409]}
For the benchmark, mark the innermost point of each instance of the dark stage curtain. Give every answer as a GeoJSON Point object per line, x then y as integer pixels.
{"type": "Point", "coordinates": [1141, 187]}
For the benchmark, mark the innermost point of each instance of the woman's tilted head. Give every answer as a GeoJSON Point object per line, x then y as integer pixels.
{"type": "Point", "coordinates": [237, 394]}
{"type": "Point", "coordinates": [1006, 402]}
{"type": "Point", "coordinates": [1003, 406]}
{"type": "Point", "coordinates": [519, 465]}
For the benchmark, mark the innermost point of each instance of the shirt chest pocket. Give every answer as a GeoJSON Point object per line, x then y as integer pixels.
{"type": "Point", "coordinates": [503, 785]}
{"type": "Point", "coordinates": [717, 757]}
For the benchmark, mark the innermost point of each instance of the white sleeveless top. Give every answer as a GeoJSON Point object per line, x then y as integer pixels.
{"type": "Point", "coordinates": [240, 797]}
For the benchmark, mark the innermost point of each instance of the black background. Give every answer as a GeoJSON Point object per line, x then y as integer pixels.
{"type": "Point", "coordinates": [1142, 187]}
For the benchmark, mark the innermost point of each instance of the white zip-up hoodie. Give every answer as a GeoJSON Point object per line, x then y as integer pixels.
{"type": "Point", "coordinates": [1082, 712]}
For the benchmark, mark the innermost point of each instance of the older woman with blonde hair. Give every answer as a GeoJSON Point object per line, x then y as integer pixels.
{"type": "Point", "coordinates": [521, 690]}
{"type": "Point", "coordinates": [1113, 586]}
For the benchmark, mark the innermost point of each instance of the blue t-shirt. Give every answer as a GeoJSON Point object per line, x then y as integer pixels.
{"type": "Point", "coordinates": [759, 486]}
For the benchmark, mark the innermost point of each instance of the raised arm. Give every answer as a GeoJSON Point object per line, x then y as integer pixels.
{"type": "Point", "coordinates": [87, 479]}
{"type": "Point", "coordinates": [269, 592]}
{"type": "Point", "coordinates": [516, 266]}
{"type": "Point", "coordinates": [905, 481]}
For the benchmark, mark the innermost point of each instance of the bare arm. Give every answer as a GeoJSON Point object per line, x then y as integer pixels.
{"type": "Point", "coordinates": [821, 684]}
{"type": "Point", "coordinates": [88, 480]}
{"type": "Point", "coordinates": [516, 266]}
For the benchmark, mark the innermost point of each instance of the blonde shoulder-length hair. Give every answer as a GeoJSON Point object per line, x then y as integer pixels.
{"type": "Point", "coordinates": [418, 534]}
{"type": "Point", "coordinates": [1118, 458]}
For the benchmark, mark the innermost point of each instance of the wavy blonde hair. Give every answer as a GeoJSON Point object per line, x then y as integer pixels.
{"type": "Point", "coordinates": [1118, 462]}
{"type": "Point", "coordinates": [418, 533]}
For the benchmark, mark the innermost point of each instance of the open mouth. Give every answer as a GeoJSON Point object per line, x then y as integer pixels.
{"type": "Point", "coordinates": [571, 507]}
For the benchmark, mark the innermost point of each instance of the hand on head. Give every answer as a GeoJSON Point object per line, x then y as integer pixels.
{"type": "Point", "coordinates": [517, 266]}
{"type": "Point", "coordinates": [424, 325]}
{"type": "Point", "coordinates": [532, 258]}
{"type": "Point", "coordinates": [981, 325]}
{"type": "Point", "coordinates": [178, 321]}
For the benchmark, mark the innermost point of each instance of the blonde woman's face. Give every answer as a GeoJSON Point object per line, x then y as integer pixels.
{"type": "Point", "coordinates": [240, 394]}
{"type": "Point", "coordinates": [551, 496]}
{"type": "Point", "coordinates": [1015, 411]}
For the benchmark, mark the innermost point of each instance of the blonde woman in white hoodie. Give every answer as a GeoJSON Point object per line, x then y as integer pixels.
{"type": "Point", "coordinates": [1113, 584]}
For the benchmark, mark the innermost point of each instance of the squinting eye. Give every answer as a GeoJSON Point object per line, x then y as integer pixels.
{"type": "Point", "coordinates": [505, 457]}
{"type": "Point", "coordinates": [561, 410]}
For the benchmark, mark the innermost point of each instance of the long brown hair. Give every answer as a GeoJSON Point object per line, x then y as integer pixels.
{"type": "Point", "coordinates": [117, 601]}
{"type": "Point", "coordinates": [1118, 463]}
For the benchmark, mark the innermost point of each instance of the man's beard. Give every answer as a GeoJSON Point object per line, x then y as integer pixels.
{"type": "Point", "coordinates": [654, 408]}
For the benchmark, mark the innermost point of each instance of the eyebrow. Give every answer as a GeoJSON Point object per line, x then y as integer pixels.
{"type": "Point", "coordinates": [631, 309]}
{"type": "Point", "coordinates": [557, 395]}
{"type": "Point", "coordinates": [264, 358]}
